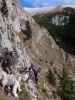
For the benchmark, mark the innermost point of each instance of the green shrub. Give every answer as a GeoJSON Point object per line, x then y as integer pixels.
{"type": "Point", "coordinates": [27, 31]}
{"type": "Point", "coordinates": [51, 77]}
{"type": "Point", "coordinates": [66, 88]}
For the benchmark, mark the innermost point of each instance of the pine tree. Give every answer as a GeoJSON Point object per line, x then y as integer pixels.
{"type": "Point", "coordinates": [66, 89]}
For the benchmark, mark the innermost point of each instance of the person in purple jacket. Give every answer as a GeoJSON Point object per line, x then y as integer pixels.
{"type": "Point", "coordinates": [33, 73]}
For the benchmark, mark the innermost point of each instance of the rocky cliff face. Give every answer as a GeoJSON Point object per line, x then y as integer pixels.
{"type": "Point", "coordinates": [12, 50]}
{"type": "Point", "coordinates": [60, 20]}
{"type": "Point", "coordinates": [24, 44]}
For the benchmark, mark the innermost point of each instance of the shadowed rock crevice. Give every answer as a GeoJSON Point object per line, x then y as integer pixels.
{"type": "Point", "coordinates": [7, 59]}
{"type": "Point", "coordinates": [4, 9]}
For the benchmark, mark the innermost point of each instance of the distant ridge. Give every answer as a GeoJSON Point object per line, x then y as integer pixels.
{"type": "Point", "coordinates": [39, 10]}
{"type": "Point", "coordinates": [45, 10]}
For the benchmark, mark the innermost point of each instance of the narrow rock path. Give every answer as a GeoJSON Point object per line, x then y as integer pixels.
{"type": "Point", "coordinates": [32, 89]}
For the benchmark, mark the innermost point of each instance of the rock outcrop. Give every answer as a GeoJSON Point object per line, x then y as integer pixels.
{"type": "Point", "coordinates": [12, 51]}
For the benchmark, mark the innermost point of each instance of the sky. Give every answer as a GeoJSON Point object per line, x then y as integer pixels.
{"type": "Point", "coordinates": [44, 3]}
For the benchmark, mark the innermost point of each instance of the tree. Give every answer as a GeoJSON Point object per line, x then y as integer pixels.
{"type": "Point", "coordinates": [27, 31]}
{"type": "Point", "coordinates": [66, 88]}
{"type": "Point", "coordinates": [51, 77]}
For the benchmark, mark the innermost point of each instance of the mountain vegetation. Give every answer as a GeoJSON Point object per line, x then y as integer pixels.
{"type": "Point", "coordinates": [66, 89]}
{"type": "Point", "coordinates": [66, 83]}
{"type": "Point", "coordinates": [61, 26]}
